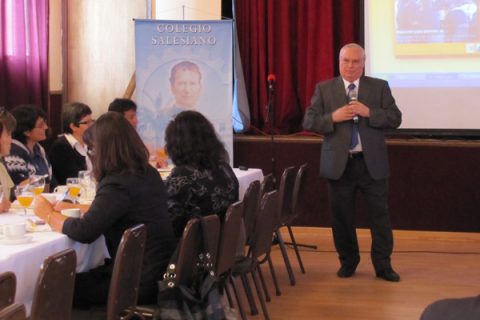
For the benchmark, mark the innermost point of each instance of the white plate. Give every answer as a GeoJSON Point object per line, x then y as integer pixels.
{"type": "Point", "coordinates": [23, 240]}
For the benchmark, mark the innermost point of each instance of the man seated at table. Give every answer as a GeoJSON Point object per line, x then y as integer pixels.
{"type": "Point", "coordinates": [126, 107]}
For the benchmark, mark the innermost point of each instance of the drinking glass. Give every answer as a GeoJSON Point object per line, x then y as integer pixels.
{"type": "Point", "coordinates": [74, 188]}
{"type": "Point", "coordinates": [38, 184]}
{"type": "Point", "coordinates": [84, 178]}
{"type": "Point", "coordinates": [24, 196]}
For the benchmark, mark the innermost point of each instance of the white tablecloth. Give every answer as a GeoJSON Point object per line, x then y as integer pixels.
{"type": "Point", "coordinates": [25, 259]}
{"type": "Point", "coordinates": [245, 177]}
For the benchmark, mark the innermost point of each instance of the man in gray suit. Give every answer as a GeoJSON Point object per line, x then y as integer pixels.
{"type": "Point", "coordinates": [352, 112]}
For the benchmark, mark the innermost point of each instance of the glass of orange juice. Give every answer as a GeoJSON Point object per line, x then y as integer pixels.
{"type": "Point", "coordinates": [74, 188]}
{"type": "Point", "coordinates": [37, 184]}
{"type": "Point", "coordinates": [162, 158]}
{"type": "Point", "coordinates": [24, 196]}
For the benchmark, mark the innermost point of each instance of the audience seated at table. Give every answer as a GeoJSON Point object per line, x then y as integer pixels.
{"type": "Point", "coordinates": [202, 181]}
{"type": "Point", "coordinates": [129, 192]}
{"type": "Point", "coordinates": [27, 157]}
{"type": "Point", "coordinates": [68, 153]}
{"type": "Point", "coordinates": [7, 125]}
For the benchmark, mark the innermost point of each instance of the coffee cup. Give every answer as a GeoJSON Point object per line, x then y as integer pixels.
{"type": "Point", "coordinates": [72, 212]}
{"type": "Point", "coordinates": [14, 231]}
{"type": "Point", "coordinates": [60, 189]}
{"type": "Point", "coordinates": [52, 198]}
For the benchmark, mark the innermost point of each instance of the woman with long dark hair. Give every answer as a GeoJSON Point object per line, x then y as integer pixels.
{"type": "Point", "coordinates": [202, 181]}
{"type": "Point", "coordinates": [129, 192]}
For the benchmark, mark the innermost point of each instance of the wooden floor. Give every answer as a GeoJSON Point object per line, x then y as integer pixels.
{"type": "Point", "coordinates": [432, 265]}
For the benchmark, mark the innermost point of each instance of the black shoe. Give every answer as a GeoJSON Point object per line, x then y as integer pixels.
{"type": "Point", "coordinates": [346, 271]}
{"type": "Point", "coordinates": [388, 274]}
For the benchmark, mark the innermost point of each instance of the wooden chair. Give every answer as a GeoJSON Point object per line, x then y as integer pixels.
{"type": "Point", "coordinates": [13, 312]}
{"type": "Point", "coordinates": [260, 247]}
{"type": "Point", "coordinates": [127, 270]}
{"type": "Point", "coordinates": [53, 295]}
{"type": "Point", "coordinates": [8, 285]}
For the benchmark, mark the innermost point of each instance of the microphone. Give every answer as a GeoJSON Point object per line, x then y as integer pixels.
{"type": "Point", "coordinates": [271, 80]}
{"type": "Point", "coordinates": [352, 96]}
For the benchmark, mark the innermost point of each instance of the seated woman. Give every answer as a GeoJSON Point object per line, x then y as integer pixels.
{"type": "Point", "coordinates": [7, 125]}
{"type": "Point", "coordinates": [129, 192]}
{"type": "Point", "coordinates": [68, 153]}
{"type": "Point", "coordinates": [202, 181]}
{"type": "Point", "coordinates": [27, 157]}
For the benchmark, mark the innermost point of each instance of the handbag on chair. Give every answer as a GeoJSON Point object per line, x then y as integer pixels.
{"type": "Point", "coordinates": [198, 299]}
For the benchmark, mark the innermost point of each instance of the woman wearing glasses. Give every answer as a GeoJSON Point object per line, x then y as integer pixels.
{"type": "Point", "coordinates": [68, 153]}
{"type": "Point", "coordinates": [27, 157]}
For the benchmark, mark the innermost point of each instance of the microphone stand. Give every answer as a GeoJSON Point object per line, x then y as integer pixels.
{"type": "Point", "coordinates": [271, 117]}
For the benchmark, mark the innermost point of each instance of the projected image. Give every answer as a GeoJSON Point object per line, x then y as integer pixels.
{"type": "Point", "coordinates": [447, 22]}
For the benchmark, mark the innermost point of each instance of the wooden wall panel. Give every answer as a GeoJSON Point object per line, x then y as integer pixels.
{"type": "Point", "coordinates": [100, 49]}
{"type": "Point", "coordinates": [433, 184]}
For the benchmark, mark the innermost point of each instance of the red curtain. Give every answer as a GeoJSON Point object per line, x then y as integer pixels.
{"type": "Point", "coordinates": [296, 40]}
{"type": "Point", "coordinates": [24, 52]}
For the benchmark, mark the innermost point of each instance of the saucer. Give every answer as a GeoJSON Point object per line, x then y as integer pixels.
{"type": "Point", "coordinates": [7, 241]}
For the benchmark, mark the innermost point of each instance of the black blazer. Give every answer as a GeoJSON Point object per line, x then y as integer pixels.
{"type": "Point", "coordinates": [66, 161]}
{"type": "Point", "coordinates": [384, 113]}
{"type": "Point", "coordinates": [123, 201]}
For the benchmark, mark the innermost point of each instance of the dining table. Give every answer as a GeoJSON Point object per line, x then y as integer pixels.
{"type": "Point", "coordinates": [25, 256]}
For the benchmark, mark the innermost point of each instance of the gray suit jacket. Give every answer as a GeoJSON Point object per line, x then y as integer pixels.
{"type": "Point", "coordinates": [384, 113]}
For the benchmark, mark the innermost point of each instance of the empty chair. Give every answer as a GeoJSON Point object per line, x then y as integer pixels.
{"type": "Point", "coordinates": [250, 208]}
{"type": "Point", "coordinates": [285, 194]}
{"type": "Point", "coordinates": [267, 184]}
{"type": "Point", "coordinates": [8, 285]}
{"type": "Point", "coordinates": [53, 295]}
{"type": "Point", "coordinates": [260, 246]}
{"type": "Point", "coordinates": [229, 237]}
{"type": "Point", "coordinates": [297, 208]}
{"type": "Point", "coordinates": [13, 312]}
{"type": "Point", "coordinates": [127, 269]}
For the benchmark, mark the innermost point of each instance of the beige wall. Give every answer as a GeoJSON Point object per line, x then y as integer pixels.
{"type": "Point", "coordinates": [189, 9]}
{"type": "Point", "coordinates": [100, 49]}
{"type": "Point", "coordinates": [55, 46]}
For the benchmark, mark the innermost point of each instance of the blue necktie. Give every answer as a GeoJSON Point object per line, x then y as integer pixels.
{"type": "Point", "coordinates": [354, 141]}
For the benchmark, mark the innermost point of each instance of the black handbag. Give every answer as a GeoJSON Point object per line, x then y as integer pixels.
{"type": "Point", "coordinates": [199, 300]}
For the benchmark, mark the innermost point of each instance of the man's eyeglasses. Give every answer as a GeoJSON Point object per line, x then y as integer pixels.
{"type": "Point", "coordinates": [86, 122]}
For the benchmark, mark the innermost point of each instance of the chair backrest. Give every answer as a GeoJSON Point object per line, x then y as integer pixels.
{"type": "Point", "coordinates": [127, 270]}
{"type": "Point", "coordinates": [267, 185]}
{"type": "Point", "coordinates": [229, 237]}
{"type": "Point", "coordinates": [285, 195]}
{"type": "Point", "coordinates": [53, 295]}
{"type": "Point", "coordinates": [13, 312]}
{"type": "Point", "coordinates": [8, 285]}
{"type": "Point", "coordinates": [250, 208]}
{"type": "Point", "coordinates": [298, 199]}
{"type": "Point", "coordinates": [264, 225]}
{"type": "Point", "coordinates": [190, 246]}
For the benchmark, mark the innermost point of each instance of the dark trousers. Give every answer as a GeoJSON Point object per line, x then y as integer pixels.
{"type": "Point", "coordinates": [342, 194]}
